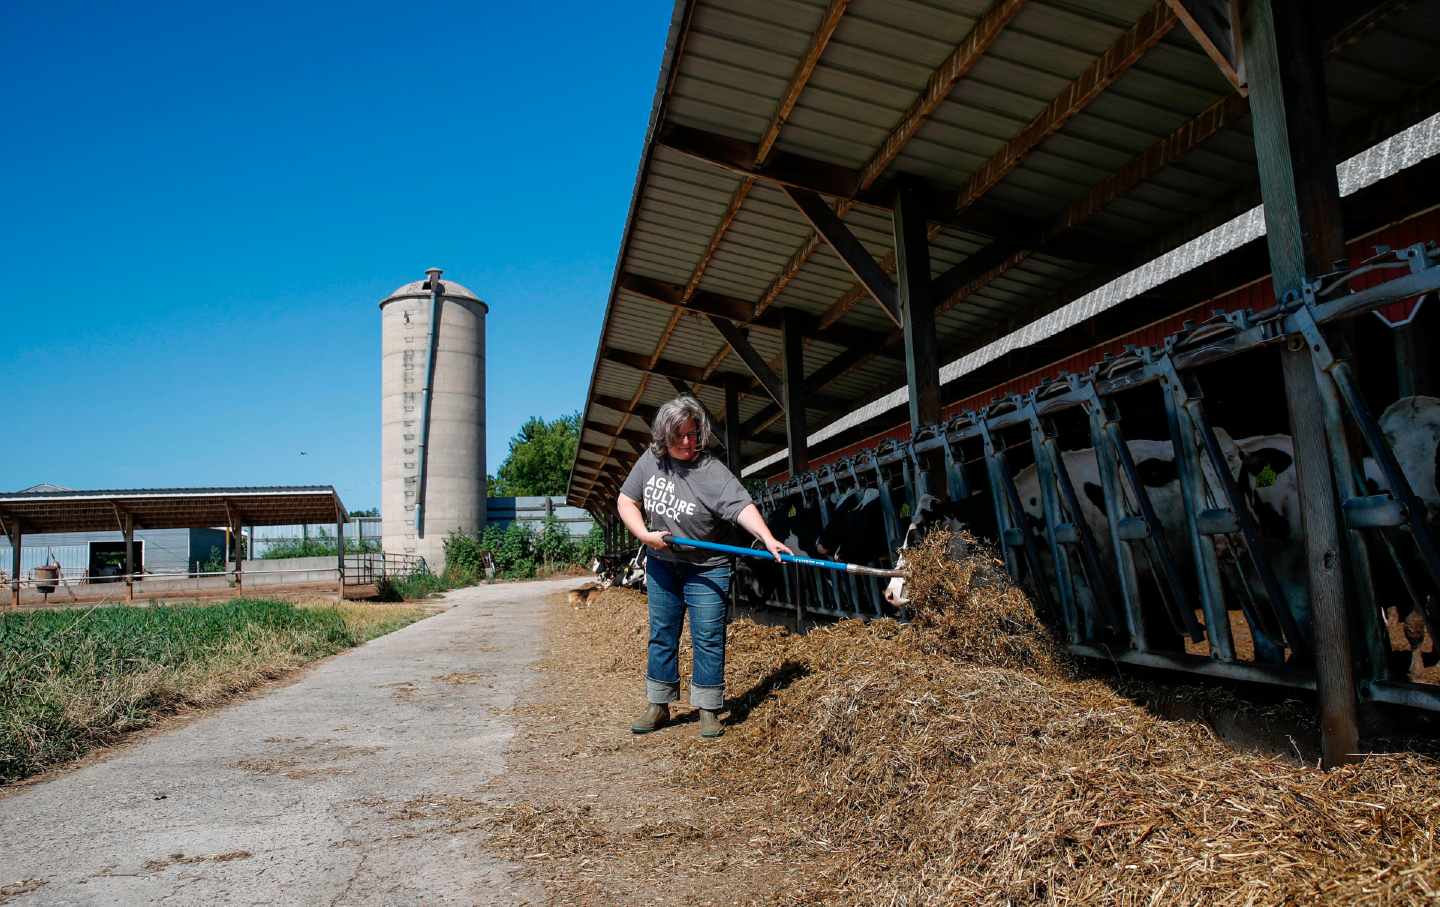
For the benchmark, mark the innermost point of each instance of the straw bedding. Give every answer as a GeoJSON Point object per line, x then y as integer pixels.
{"type": "Point", "coordinates": [964, 759]}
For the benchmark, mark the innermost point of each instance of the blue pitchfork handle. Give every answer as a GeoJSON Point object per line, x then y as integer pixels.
{"type": "Point", "coordinates": [787, 558]}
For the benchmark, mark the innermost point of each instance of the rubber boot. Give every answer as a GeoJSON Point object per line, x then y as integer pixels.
{"type": "Point", "coordinates": [710, 725]}
{"type": "Point", "coordinates": [654, 716]}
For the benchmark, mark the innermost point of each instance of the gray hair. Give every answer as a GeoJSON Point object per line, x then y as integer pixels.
{"type": "Point", "coordinates": [669, 418]}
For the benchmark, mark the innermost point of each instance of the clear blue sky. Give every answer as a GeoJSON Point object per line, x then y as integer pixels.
{"type": "Point", "coordinates": [203, 206]}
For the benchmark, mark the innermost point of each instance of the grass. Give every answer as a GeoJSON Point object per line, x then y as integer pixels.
{"type": "Point", "coordinates": [73, 680]}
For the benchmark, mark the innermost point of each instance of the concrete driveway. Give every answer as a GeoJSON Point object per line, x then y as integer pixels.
{"type": "Point", "coordinates": [362, 783]}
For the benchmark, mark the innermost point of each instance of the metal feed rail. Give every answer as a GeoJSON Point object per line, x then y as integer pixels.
{"type": "Point", "coordinates": [1100, 622]}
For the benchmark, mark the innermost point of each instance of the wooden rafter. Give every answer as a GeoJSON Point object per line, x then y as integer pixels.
{"type": "Point", "coordinates": [1077, 95]}
{"type": "Point", "coordinates": [1212, 23]}
{"type": "Point", "coordinates": [851, 252]}
{"type": "Point", "coordinates": [937, 87]}
{"type": "Point", "coordinates": [982, 269]}
{"type": "Point", "coordinates": [740, 311]}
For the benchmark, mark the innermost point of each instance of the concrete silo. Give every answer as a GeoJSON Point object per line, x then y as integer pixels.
{"type": "Point", "coordinates": [432, 414]}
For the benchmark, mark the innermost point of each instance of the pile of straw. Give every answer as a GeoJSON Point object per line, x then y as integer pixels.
{"type": "Point", "coordinates": [962, 758]}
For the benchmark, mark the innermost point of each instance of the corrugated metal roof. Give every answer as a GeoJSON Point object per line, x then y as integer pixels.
{"type": "Point", "coordinates": [170, 508]}
{"type": "Point", "coordinates": [730, 63]}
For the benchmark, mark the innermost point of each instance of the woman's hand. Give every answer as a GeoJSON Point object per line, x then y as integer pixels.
{"type": "Point", "coordinates": [775, 547]}
{"type": "Point", "coordinates": [655, 540]}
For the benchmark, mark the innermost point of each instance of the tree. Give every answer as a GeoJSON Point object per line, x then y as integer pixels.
{"type": "Point", "coordinates": [539, 458]}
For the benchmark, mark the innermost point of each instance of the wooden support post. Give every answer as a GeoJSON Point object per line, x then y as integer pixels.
{"type": "Point", "coordinates": [793, 396]}
{"type": "Point", "coordinates": [732, 426]}
{"type": "Point", "coordinates": [1304, 234]}
{"type": "Point", "coordinates": [17, 539]}
{"type": "Point", "coordinates": [232, 542]}
{"type": "Point", "coordinates": [922, 366]}
{"type": "Point", "coordinates": [339, 555]}
{"type": "Point", "coordinates": [917, 316]}
{"type": "Point", "coordinates": [127, 530]}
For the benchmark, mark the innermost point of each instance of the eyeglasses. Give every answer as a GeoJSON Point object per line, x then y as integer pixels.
{"type": "Point", "coordinates": [694, 436]}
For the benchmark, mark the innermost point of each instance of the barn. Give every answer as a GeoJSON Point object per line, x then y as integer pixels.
{"type": "Point", "coordinates": [971, 249]}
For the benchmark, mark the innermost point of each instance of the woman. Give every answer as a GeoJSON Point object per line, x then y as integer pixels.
{"type": "Point", "coordinates": [686, 492]}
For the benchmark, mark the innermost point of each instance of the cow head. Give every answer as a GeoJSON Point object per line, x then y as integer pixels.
{"type": "Point", "coordinates": [929, 513]}
{"type": "Point", "coordinates": [1412, 427]}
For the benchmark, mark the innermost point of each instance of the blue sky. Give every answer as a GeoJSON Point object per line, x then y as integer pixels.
{"type": "Point", "coordinates": [203, 207]}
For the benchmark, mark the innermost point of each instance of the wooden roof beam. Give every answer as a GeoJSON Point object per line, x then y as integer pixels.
{"type": "Point", "coordinates": [1117, 59]}
{"type": "Point", "coordinates": [983, 268]}
{"type": "Point", "coordinates": [740, 343]}
{"type": "Point", "coordinates": [1077, 95]}
{"type": "Point", "coordinates": [689, 373]}
{"type": "Point", "coordinates": [1212, 24]}
{"type": "Point", "coordinates": [798, 80]}
{"type": "Point", "coordinates": [640, 439]}
{"type": "Point", "coordinates": [813, 175]}
{"type": "Point", "coordinates": [851, 252]}
{"type": "Point", "coordinates": [740, 311]}
{"type": "Point", "coordinates": [937, 87]}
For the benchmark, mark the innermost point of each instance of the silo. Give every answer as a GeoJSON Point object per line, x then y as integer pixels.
{"type": "Point", "coordinates": [432, 414]}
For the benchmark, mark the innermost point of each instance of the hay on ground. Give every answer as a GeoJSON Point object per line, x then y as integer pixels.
{"type": "Point", "coordinates": [963, 758]}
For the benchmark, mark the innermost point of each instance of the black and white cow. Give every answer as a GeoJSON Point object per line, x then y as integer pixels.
{"type": "Point", "coordinates": [797, 524]}
{"type": "Point", "coordinates": [975, 514]}
{"type": "Point", "coordinates": [856, 530]}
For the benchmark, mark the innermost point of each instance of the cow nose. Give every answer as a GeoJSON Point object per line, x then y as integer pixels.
{"type": "Point", "coordinates": [895, 593]}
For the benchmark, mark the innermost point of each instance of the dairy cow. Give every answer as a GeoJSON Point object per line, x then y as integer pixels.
{"type": "Point", "coordinates": [1412, 427]}
{"type": "Point", "coordinates": [975, 514]}
{"type": "Point", "coordinates": [797, 524]}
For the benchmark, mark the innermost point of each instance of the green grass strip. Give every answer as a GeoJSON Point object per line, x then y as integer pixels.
{"type": "Point", "coordinates": [71, 680]}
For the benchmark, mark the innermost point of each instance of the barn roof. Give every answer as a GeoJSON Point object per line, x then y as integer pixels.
{"type": "Point", "coordinates": [1057, 145]}
{"type": "Point", "coordinates": [169, 508]}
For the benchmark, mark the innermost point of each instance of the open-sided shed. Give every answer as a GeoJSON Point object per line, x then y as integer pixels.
{"type": "Point", "coordinates": [837, 198]}
{"type": "Point", "coordinates": [1032, 150]}
{"type": "Point", "coordinates": [50, 512]}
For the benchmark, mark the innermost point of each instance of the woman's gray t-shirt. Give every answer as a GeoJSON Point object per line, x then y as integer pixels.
{"type": "Point", "coordinates": [696, 500]}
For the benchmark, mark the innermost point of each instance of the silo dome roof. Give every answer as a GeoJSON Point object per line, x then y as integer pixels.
{"type": "Point", "coordinates": [418, 289]}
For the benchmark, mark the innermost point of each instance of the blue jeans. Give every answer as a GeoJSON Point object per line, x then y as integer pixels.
{"type": "Point", "coordinates": [673, 589]}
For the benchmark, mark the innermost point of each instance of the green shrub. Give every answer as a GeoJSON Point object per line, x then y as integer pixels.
{"type": "Point", "coordinates": [464, 557]}
{"type": "Point", "coordinates": [215, 563]}
{"type": "Point", "coordinates": [322, 545]}
{"type": "Point", "coordinates": [554, 545]}
{"type": "Point", "coordinates": [515, 557]}
{"type": "Point", "coordinates": [592, 545]}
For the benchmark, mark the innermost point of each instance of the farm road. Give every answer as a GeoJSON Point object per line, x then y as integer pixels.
{"type": "Point", "coordinates": [332, 790]}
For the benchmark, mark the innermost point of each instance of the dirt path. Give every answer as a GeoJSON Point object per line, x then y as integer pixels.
{"type": "Point", "coordinates": [368, 781]}
{"type": "Point", "coordinates": [600, 816]}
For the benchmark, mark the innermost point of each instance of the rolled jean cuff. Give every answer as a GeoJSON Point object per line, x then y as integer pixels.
{"type": "Point", "coordinates": [712, 698]}
{"type": "Point", "coordinates": [662, 693]}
